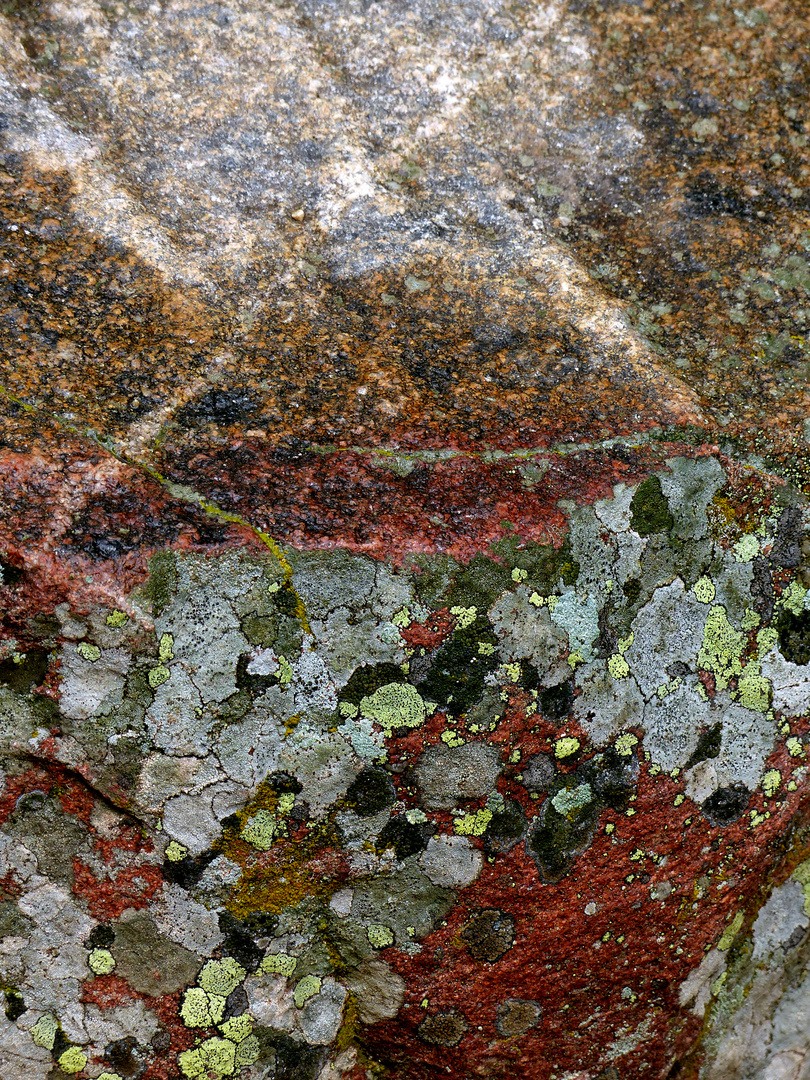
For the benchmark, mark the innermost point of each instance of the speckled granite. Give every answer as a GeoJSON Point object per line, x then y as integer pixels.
{"type": "Point", "coordinates": [404, 540]}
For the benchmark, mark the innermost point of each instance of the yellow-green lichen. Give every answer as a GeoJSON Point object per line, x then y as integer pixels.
{"type": "Point", "coordinates": [175, 851]}
{"type": "Point", "coordinates": [88, 652]}
{"type": "Point", "coordinates": [794, 746]}
{"type": "Point", "coordinates": [519, 575]}
{"type": "Point", "coordinates": [305, 989]}
{"type": "Point", "coordinates": [195, 1010]}
{"type": "Point", "coordinates": [214, 1058]}
{"type": "Point", "coordinates": [618, 666]}
{"type": "Point", "coordinates": [746, 549]}
{"type": "Point", "coordinates": [793, 597]}
{"type": "Point", "coordinates": [73, 1060]}
{"type": "Point", "coordinates": [753, 689]}
{"type": "Point", "coordinates": [704, 590]}
{"type": "Point", "coordinates": [221, 976]}
{"type": "Point", "coordinates": [626, 744]}
{"type": "Point", "coordinates": [247, 1052]}
{"type": "Point", "coordinates": [115, 620]}
{"type": "Point", "coordinates": [464, 616]}
{"type": "Point", "coordinates": [802, 875]}
{"type": "Point", "coordinates": [279, 964]}
{"type": "Point", "coordinates": [261, 830]}
{"type": "Point", "coordinates": [394, 705]}
{"type": "Point", "coordinates": [166, 648]}
{"type": "Point", "coordinates": [44, 1031]}
{"type": "Point", "coordinates": [158, 676]}
{"type": "Point", "coordinates": [730, 932]}
{"type": "Point", "coordinates": [625, 643]}
{"type": "Point", "coordinates": [101, 961]}
{"type": "Point", "coordinates": [566, 746]}
{"type": "Point", "coordinates": [452, 738]}
{"type": "Point", "coordinates": [237, 1028]}
{"type": "Point", "coordinates": [722, 647]}
{"type": "Point", "coordinates": [380, 936]}
{"type": "Point", "coordinates": [770, 782]}
{"type": "Point", "coordinates": [473, 824]}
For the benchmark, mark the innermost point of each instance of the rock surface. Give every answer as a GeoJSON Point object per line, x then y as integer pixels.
{"type": "Point", "coordinates": [405, 547]}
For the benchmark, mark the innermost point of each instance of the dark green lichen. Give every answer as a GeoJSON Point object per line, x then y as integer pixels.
{"type": "Point", "coordinates": [708, 745]}
{"type": "Point", "coordinates": [368, 678]}
{"type": "Point", "coordinates": [726, 805]}
{"type": "Point", "coordinates": [456, 674]}
{"type": "Point", "coordinates": [370, 792]}
{"type": "Point", "coordinates": [506, 828]}
{"type": "Point", "coordinates": [555, 701]}
{"type": "Point", "coordinates": [405, 837]}
{"type": "Point", "coordinates": [162, 583]}
{"type": "Point", "coordinates": [794, 636]}
{"type": "Point", "coordinates": [649, 509]}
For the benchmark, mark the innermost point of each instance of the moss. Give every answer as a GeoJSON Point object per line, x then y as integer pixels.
{"type": "Point", "coordinates": [162, 582]}
{"type": "Point", "coordinates": [649, 510]}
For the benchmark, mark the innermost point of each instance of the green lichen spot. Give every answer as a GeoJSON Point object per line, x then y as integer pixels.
{"type": "Point", "coordinates": [175, 852]}
{"type": "Point", "coordinates": [101, 961]}
{"type": "Point", "coordinates": [158, 676]}
{"type": "Point", "coordinates": [802, 875]}
{"type": "Point", "coordinates": [395, 705]}
{"type": "Point", "coordinates": [746, 549]}
{"type": "Point", "coordinates": [754, 690]}
{"type": "Point", "coordinates": [473, 824]}
{"type": "Point", "coordinates": [380, 936]}
{"type": "Point", "coordinates": [730, 932]}
{"type": "Point", "coordinates": [44, 1031]}
{"type": "Point", "coordinates": [166, 648]}
{"type": "Point", "coordinates": [108, 1076]}
{"type": "Point", "coordinates": [794, 746]}
{"type": "Point", "coordinates": [213, 1058]}
{"type": "Point", "coordinates": [704, 590]}
{"type": "Point", "coordinates": [452, 738]}
{"type": "Point", "coordinates": [73, 1060]}
{"type": "Point", "coordinates": [261, 830]}
{"type": "Point", "coordinates": [625, 744]}
{"type": "Point", "coordinates": [570, 801]}
{"type": "Point", "coordinates": [793, 598]}
{"type": "Point", "coordinates": [649, 510]}
{"type": "Point", "coordinates": [305, 989]}
{"type": "Point", "coordinates": [566, 746]}
{"type": "Point", "coordinates": [279, 964]}
{"type": "Point", "coordinates": [195, 1010]}
{"type": "Point", "coordinates": [464, 616]}
{"type": "Point", "coordinates": [722, 647]}
{"type": "Point", "coordinates": [221, 976]}
{"type": "Point", "coordinates": [115, 620]}
{"type": "Point", "coordinates": [88, 652]}
{"type": "Point", "coordinates": [618, 667]}
{"type": "Point", "coordinates": [237, 1028]}
{"type": "Point", "coordinates": [770, 782]}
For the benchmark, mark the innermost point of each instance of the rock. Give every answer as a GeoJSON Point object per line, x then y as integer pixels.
{"type": "Point", "coordinates": [404, 554]}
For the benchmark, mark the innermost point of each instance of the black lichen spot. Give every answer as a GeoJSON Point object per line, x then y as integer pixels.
{"type": "Point", "coordinates": [529, 678]}
{"type": "Point", "coordinates": [370, 792]}
{"type": "Point", "coordinates": [455, 678]}
{"type": "Point", "coordinates": [10, 574]}
{"type": "Point", "coordinates": [632, 589]}
{"type": "Point", "coordinates": [649, 510]}
{"type": "Point", "coordinates": [555, 701]}
{"type": "Point", "coordinates": [236, 1003]}
{"type": "Point", "coordinates": [762, 588]}
{"type": "Point", "coordinates": [786, 550]}
{"type": "Point", "coordinates": [708, 745]}
{"type": "Point", "coordinates": [368, 678]}
{"type": "Point", "coordinates": [613, 777]}
{"type": "Point", "coordinates": [726, 805]}
{"type": "Point", "coordinates": [443, 1029]}
{"type": "Point", "coordinates": [284, 783]}
{"type": "Point", "coordinates": [707, 199]}
{"type": "Point", "coordinates": [61, 1043]}
{"type": "Point", "coordinates": [405, 837]}
{"type": "Point", "coordinates": [220, 407]}
{"type": "Point", "coordinates": [15, 1006]}
{"type": "Point", "coordinates": [298, 1060]}
{"type": "Point", "coordinates": [506, 828]}
{"type": "Point", "coordinates": [127, 1057]}
{"type": "Point", "coordinates": [489, 934]}
{"type": "Point", "coordinates": [100, 937]}
{"type": "Point", "coordinates": [261, 923]}
{"type": "Point", "coordinates": [794, 636]}
{"type": "Point", "coordinates": [253, 684]}
{"type": "Point", "coordinates": [29, 672]}
{"type": "Point", "coordinates": [516, 1016]}
{"type": "Point", "coordinates": [239, 942]}
{"type": "Point", "coordinates": [187, 872]}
